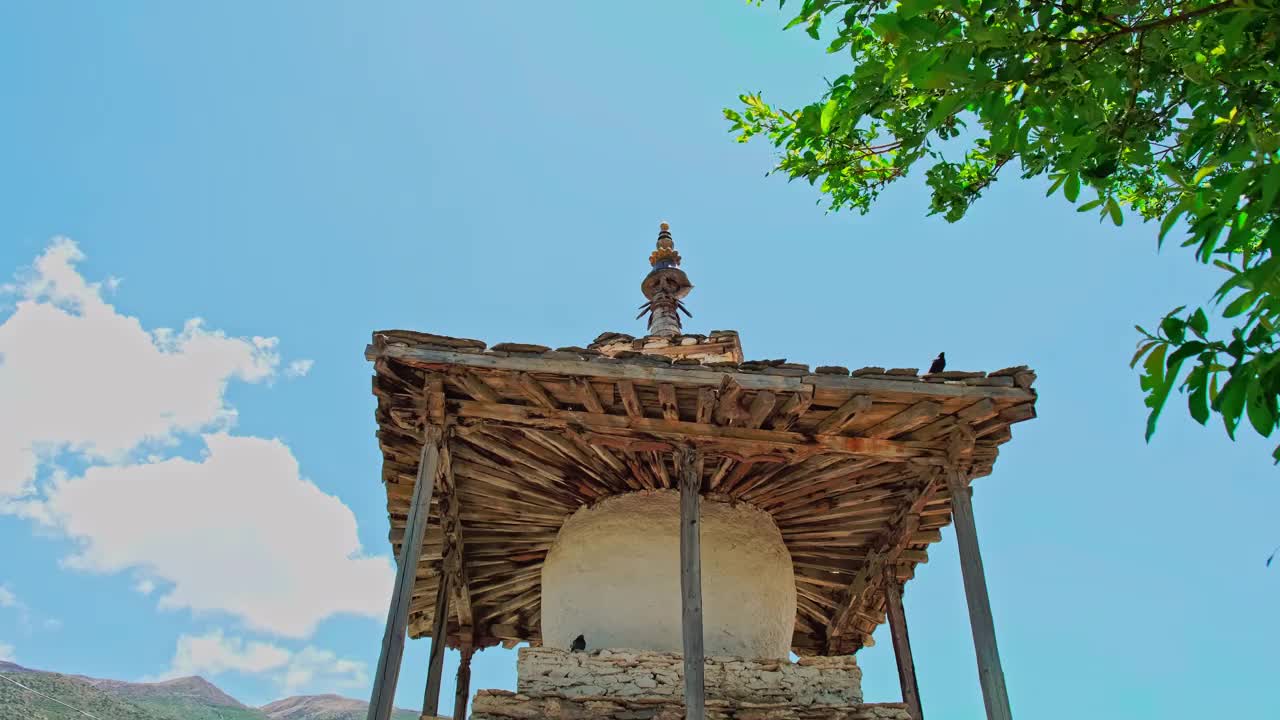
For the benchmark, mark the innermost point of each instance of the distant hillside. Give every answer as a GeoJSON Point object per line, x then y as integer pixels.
{"type": "Point", "coordinates": [325, 707]}
{"type": "Point", "coordinates": [22, 692]}
{"type": "Point", "coordinates": [19, 703]}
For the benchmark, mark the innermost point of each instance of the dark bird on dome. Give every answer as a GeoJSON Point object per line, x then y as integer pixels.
{"type": "Point", "coordinates": [579, 644]}
{"type": "Point", "coordinates": [939, 363]}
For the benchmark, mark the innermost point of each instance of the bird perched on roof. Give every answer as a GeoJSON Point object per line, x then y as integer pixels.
{"type": "Point", "coordinates": [939, 363]}
{"type": "Point", "coordinates": [579, 644]}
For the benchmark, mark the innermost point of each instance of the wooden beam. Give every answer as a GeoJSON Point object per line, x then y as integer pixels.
{"type": "Point", "coordinates": [435, 664]}
{"type": "Point", "coordinates": [437, 358]}
{"type": "Point", "coordinates": [670, 405]}
{"type": "Point", "coordinates": [902, 648]}
{"type": "Point", "coordinates": [630, 401]}
{"type": "Point", "coordinates": [691, 584]}
{"type": "Point", "coordinates": [738, 440]}
{"type": "Point", "coordinates": [533, 390]}
{"type": "Point", "coordinates": [706, 405]}
{"type": "Point", "coordinates": [476, 387]}
{"type": "Point", "coordinates": [842, 415]}
{"type": "Point", "coordinates": [990, 674]}
{"type": "Point", "coordinates": [462, 690]}
{"type": "Point", "coordinates": [797, 404]}
{"type": "Point", "coordinates": [388, 673]}
{"type": "Point", "coordinates": [729, 408]}
{"type": "Point", "coordinates": [865, 585]}
{"type": "Point", "coordinates": [590, 400]}
{"type": "Point", "coordinates": [907, 420]}
{"type": "Point", "coordinates": [761, 405]}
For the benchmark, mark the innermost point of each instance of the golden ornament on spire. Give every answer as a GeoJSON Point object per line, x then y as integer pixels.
{"type": "Point", "coordinates": [665, 255]}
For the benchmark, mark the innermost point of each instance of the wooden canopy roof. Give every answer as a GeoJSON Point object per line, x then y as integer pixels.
{"type": "Point", "coordinates": [849, 465]}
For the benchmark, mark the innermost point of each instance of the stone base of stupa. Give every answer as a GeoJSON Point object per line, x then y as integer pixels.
{"type": "Point", "coordinates": [634, 685]}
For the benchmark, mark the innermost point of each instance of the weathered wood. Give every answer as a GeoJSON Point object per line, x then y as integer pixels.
{"type": "Point", "coordinates": [706, 405]}
{"type": "Point", "coordinates": [691, 585]}
{"type": "Point", "coordinates": [906, 421]}
{"type": "Point", "coordinates": [841, 416]}
{"type": "Point", "coordinates": [797, 404]}
{"type": "Point", "coordinates": [670, 405]}
{"type": "Point", "coordinates": [902, 647]}
{"type": "Point", "coordinates": [435, 663]}
{"type": "Point", "coordinates": [761, 406]}
{"type": "Point", "coordinates": [535, 392]}
{"type": "Point", "coordinates": [990, 674]}
{"type": "Point", "coordinates": [729, 408]}
{"type": "Point", "coordinates": [389, 658]}
{"type": "Point", "coordinates": [475, 386]}
{"type": "Point", "coordinates": [630, 401]}
{"type": "Point", "coordinates": [590, 399]}
{"type": "Point", "coordinates": [429, 357]}
{"type": "Point", "coordinates": [462, 690]}
{"type": "Point", "coordinates": [730, 439]}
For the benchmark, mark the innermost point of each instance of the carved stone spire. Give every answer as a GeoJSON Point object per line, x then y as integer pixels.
{"type": "Point", "coordinates": [664, 286]}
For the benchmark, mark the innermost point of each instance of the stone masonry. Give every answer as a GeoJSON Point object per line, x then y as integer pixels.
{"type": "Point", "coordinates": [815, 681]}
{"type": "Point", "coordinates": [503, 705]}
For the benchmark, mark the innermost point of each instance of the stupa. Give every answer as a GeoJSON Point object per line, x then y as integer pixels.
{"type": "Point", "coordinates": [665, 523]}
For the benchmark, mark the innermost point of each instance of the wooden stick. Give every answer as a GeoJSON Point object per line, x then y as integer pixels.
{"type": "Point", "coordinates": [902, 648]}
{"type": "Point", "coordinates": [691, 585]}
{"type": "Point", "coordinates": [384, 682]}
{"type": "Point", "coordinates": [431, 699]}
{"type": "Point", "coordinates": [990, 674]}
{"type": "Point", "coordinates": [462, 691]}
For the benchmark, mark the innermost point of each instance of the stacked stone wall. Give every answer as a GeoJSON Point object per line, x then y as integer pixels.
{"type": "Point", "coordinates": [503, 705]}
{"type": "Point", "coordinates": [817, 681]}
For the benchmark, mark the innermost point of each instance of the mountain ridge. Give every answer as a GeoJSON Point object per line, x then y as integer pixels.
{"type": "Point", "coordinates": [28, 694]}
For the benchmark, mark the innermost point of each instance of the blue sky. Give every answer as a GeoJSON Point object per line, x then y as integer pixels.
{"type": "Point", "coordinates": [312, 173]}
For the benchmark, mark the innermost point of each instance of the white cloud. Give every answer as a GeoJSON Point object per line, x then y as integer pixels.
{"type": "Point", "coordinates": [238, 531]}
{"type": "Point", "coordinates": [6, 652]}
{"type": "Point", "coordinates": [215, 653]}
{"type": "Point", "coordinates": [322, 670]}
{"type": "Point", "coordinates": [77, 375]}
{"type": "Point", "coordinates": [8, 599]}
{"type": "Point", "coordinates": [298, 368]}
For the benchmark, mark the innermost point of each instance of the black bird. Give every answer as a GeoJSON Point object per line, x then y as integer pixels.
{"type": "Point", "coordinates": [939, 363]}
{"type": "Point", "coordinates": [579, 644]}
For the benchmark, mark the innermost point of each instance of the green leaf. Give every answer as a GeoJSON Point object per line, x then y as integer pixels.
{"type": "Point", "coordinates": [1198, 323]}
{"type": "Point", "coordinates": [1261, 416]}
{"type": "Point", "coordinates": [1230, 403]}
{"type": "Point", "coordinates": [1072, 189]}
{"type": "Point", "coordinates": [1204, 172]}
{"type": "Point", "coordinates": [1114, 208]}
{"type": "Point", "coordinates": [828, 112]}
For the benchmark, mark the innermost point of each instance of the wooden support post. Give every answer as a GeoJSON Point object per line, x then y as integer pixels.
{"type": "Point", "coordinates": [902, 646]}
{"type": "Point", "coordinates": [990, 674]}
{"type": "Point", "coordinates": [435, 665]}
{"type": "Point", "coordinates": [384, 682]}
{"type": "Point", "coordinates": [462, 691]}
{"type": "Point", "coordinates": [691, 584]}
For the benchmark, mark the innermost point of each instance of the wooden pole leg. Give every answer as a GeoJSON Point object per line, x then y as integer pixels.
{"type": "Point", "coordinates": [902, 647]}
{"type": "Point", "coordinates": [388, 673]}
{"type": "Point", "coordinates": [691, 584]}
{"type": "Point", "coordinates": [994, 693]}
{"type": "Point", "coordinates": [462, 692]}
{"type": "Point", "coordinates": [435, 666]}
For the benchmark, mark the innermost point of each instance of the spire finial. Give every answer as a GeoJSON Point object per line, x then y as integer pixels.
{"type": "Point", "coordinates": [665, 255]}
{"type": "Point", "coordinates": [664, 286]}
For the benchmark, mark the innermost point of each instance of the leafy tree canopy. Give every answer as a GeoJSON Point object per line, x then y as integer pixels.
{"type": "Point", "coordinates": [1163, 107]}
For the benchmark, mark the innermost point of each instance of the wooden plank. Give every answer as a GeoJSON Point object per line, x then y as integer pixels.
{"type": "Point", "coordinates": [476, 387]}
{"type": "Point", "coordinates": [907, 420]}
{"type": "Point", "coordinates": [462, 690]}
{"type": "Point", "coordinates": [747, 441]}
{"type": "Point", "coordinates": [843, 414]}
{"type": "Point", "coordinates": [630, 401]}
{"type": "Point", "coordinates": [435, 663]}
{"type": "Point", "coordinates": [670, 405]}
{"type": "Point", "coordinates": [590, 400]}
{"type": "Point", "coordinates": [691, 585]}
{"type": "Point", "coordinates": [422, 356]}
{"type": "Point", "coordinates": [729, 405]}
{"type": "Point", "coordinates": [388, 672]}
{"type": "Point", "coordinates": [990, 674]}
{"type": "Point", "coordinates": [706, 405]}
{"type": "Point", "coordinates": [761, 406]}
{"type": "Point", "coordinates": [902, 648]}
{"type": "Point", "coordinates": [797, 404]}
{"type": "Point", "coordinates": [534, 390]}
